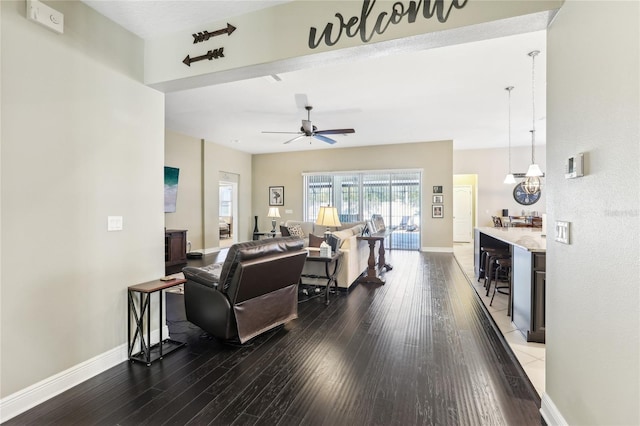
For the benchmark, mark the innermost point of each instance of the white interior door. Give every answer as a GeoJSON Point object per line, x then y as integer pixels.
{"type": "Point", "coordinates": [462, 213]}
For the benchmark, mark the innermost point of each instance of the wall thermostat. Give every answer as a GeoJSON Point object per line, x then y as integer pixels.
{"type": "Point", "coordinates": [575, 166]}
{"type": "Point", "coordinates": [45, 15]}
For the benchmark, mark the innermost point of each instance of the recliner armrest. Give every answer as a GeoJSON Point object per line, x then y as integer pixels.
{"type": "Point", "coordinates": [208, 275]}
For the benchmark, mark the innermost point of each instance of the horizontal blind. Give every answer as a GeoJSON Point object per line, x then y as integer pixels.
{"type": "Point", "coordinates": [394, 195]}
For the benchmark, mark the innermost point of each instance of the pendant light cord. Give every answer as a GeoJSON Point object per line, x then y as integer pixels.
{"type": "Point", "coordinates": [509, 89]}
{"type": "Point", "coordinates": [533, 104]}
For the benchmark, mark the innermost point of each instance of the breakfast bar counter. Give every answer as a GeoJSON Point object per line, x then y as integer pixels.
{"type": "Point", "coordinates": [528, 258]}
{"type": "Point", "coordinates": [530, 239]}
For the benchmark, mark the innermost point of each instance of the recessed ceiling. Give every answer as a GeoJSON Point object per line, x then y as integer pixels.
{"type": "Point", "coordinates": [455, 92]}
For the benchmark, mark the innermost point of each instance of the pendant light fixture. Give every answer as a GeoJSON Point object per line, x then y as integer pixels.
{"type": "Point", "coordinates": [531, 184]}
{"type": "Point", "coordinates": [509, 179]}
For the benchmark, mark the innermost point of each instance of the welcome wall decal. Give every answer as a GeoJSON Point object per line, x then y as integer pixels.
{"type": "Point", "coordinates": [367, 25]}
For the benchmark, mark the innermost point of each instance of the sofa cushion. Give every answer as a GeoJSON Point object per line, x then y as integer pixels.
{"type": "Point", "coordinates": [307, 227]}
{"type": "Point", "coordinates": [357, 230]}
{"type": "Point", "coordinates": [315, 241]}
{"type": "Point", "coordinates": [284, 231]}
{"type": "Point", "coordinates": [343, 235]}
{"type": "Point", "coordinates": [296, 231]}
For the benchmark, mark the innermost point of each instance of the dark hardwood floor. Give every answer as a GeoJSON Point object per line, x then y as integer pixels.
{"type": "Point", "coordinates": [418, 350]}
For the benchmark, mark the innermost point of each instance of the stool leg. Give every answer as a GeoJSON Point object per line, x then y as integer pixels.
{"type": "Point", "coordinates": [506, 270]}
{"type": "Point", "coordinates": [495, 287]}
{"type": "Point", "coordinates": [509, 300]}
{"type": "Point", "coordinates": [487, 270]}
{"type": "Point", "coordinates": [488, 276]}
{"type": "Point", "coordinates": [483, 259]}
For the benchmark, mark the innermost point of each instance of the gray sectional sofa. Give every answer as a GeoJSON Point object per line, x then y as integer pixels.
{"type": "Point", "coordinates": [354, 260]}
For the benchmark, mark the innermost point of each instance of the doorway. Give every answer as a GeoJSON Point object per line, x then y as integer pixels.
{"type": "Point", "coordinates": [462, 211]}
{"type": "Point", "coordinates": [228, 209]}
{"type": "Point", "coordinates": [464, 207]}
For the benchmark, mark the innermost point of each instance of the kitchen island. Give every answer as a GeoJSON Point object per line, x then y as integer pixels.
{"type": "Point", "coordinates": [528, 254]}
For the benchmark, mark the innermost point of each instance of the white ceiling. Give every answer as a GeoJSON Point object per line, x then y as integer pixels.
{"type": "Point", "coordinates": [455, 92]}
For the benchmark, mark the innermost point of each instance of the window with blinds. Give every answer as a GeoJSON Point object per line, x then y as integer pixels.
{"type": "Point", "coordinates": [395, 195]}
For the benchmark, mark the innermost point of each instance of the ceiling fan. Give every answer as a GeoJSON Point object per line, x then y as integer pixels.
{"type": "Point", "coordinates": [309, 130]}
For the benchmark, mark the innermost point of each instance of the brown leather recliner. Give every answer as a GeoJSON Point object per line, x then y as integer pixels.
{"type": "Point", "coordinates": [256, 290]}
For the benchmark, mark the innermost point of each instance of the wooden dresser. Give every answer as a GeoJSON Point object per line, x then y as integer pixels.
{"type": "Point", "coordinates": [175, 250]}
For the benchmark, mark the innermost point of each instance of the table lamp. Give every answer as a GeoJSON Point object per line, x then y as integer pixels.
{"type": "Point", "coordinates": [273, 213]}
{"type": "Point", "coordinates": [328, 216]}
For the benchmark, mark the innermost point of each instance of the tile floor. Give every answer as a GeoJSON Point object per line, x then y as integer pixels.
{"type": "Point", "coordinates": [530, 355]}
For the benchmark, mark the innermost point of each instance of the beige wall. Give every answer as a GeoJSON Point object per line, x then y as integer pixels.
{"type": "Point", "coordinates": [217, 159]}
{"type": "Point", "coordinates": [434, 158]}
{"type": "Point", "coordinates": [200, 166]}
{"type": "Point", "coordinates": [82, 139]}
{"type": "Point", "coordinates": [491, 166]}
{"type": "Point", "coordinates": [593, 291]}
{"type": "Point", "coordinates": [185, 153]}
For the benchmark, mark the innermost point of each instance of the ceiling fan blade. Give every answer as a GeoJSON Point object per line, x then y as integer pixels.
{"type": "Point", "coordinates": [335, 132]}
{"type": "Point", "coordinates": [286, 133]}
{"type": "Point", "coordinates": [295, 139]}
{"type": "Point", "coordinates": [323, 138]}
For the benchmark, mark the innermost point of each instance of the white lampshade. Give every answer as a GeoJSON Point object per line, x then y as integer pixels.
{"type": "Point", "coordinates": [534, 171]}
{"type": "Point", "coordinates": [273, 212]}
{"type": "Point", "coordinates": [510, 179]}
{"type": "Point", "coordinates": [328, 216]}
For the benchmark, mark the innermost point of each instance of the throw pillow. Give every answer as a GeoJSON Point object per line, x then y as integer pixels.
{"type": "Point", "coordinates": [296, 231]}
{"type": "Point", "coordinates": [315, 241]}
{"type": "Point", "coordinates": [284, 231]}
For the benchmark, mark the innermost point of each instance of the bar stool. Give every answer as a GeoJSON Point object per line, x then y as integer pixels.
{"type": "Point", "coordinates": [484, 253]}
{"type": "Point", "coordinates": [492, 256]}
{"type": "Point", "coordinates": [503, 269]}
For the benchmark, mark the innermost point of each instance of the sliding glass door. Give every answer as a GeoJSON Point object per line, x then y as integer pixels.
{"type": "Point", "coordinates": [394, 195]}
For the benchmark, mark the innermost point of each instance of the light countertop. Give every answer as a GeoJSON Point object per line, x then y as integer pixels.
{"type": "Point", "coordinates": [530, 239]}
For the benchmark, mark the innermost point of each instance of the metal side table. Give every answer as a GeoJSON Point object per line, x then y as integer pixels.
{"type": "Point", "coordinates": [148, 352]}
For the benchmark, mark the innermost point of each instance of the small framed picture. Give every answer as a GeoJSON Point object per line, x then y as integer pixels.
{"type": "Point", "coordinates": [276, 195]}
{"type": "Point", "coordinates": [437, 211]}
{"type": "Point", "coordinates": [437, 189]}
{"type": "Point", "coordinates": [437, 199]}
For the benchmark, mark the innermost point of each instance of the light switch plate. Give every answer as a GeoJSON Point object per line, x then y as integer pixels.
{"type": "Point", "coordinates": [114, 223]}
{"type": "Point", "coordinates": [562, 232]}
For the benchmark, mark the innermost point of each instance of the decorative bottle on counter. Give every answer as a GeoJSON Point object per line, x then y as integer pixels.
{"type": "Point", "coordinates": [255, 226]}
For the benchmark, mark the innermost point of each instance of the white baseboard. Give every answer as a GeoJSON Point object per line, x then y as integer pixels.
{"type": "Point", "coordinates": [550, 412]}
{"type": "Point", "coordinates": [210, 250]}
{"type": "Point", "coordinates": [21, 401]}
{"type": "Point", "coordinates": [438, 249]}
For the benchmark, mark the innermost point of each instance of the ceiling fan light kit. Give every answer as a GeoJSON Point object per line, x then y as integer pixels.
{"type": "Point", "coordinates": [309, 130]}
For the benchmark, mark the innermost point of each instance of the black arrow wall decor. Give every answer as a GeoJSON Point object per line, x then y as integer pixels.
{"type": "Point", "coordinates": [206, 35]}
{"type": "Point", "coordinates": [212, 54]}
